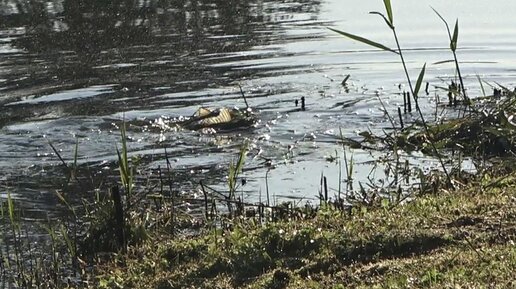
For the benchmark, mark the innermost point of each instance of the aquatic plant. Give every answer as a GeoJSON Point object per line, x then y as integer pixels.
{"type": "Point", "coordinates": [389, 20]}
{"type": "Point", "coordinates": [23, 263]}
{"type": "Point", "coordinates": [126, 171]}
{"type": "Point", "coordinates": [235, 169]}
{"type": "Point", "coordinates": [453, 47]}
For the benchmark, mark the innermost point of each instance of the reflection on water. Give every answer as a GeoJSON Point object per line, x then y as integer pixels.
{"type": "Point", "coordinates": [136, 44]}
{"type": "Point", "coordinates": [73, 69]}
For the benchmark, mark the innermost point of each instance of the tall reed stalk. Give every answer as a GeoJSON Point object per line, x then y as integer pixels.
{"type": "Point", "coordinates": [453, 47]}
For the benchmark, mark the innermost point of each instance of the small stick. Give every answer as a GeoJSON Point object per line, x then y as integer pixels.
{"type": "Point", "coordinates": [401, 118]}
{"type": "Point", "coordinates": [119, 217]}
{"type": "Point", "coordinates": [409, 103]}
{"type": "Point", "coordinates": [302, 103]}
{"type": "Point", "coordinates": [345, 79]}
{"type": "Point", "coordinates": [426, 88]}
{"type": "Point", "coordinates": [243, 95]}
{"type": "Point", "coordinates": [321, 189]}
{"type": "Point", "coordinates": [267, 186]}
{"type": "Point", "coordinates": [325, 190]}
{"type": "Point", "coordinates": [404, 103]}
{"type": "Point", "coordinates": [260, 212]}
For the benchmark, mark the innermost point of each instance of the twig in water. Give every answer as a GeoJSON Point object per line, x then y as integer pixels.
{"type": "Point", "coordinates": [345, 79]}
{"type": "Point", "coordinates": [401, 118]}
{"type": "Point", "coordinates": [267, 186]}
{"type": "Point", "coordinates": [243, 95]}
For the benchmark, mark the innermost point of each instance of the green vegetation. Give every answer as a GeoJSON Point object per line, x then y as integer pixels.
{"type": "Point", "coordinates": [414, 90]}
{"type": "Point", "coordinates": [453, 238]}
{"type": "Point", "coordinates": [480, 135]}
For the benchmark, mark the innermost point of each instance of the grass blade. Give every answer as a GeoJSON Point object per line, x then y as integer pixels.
{"type": "Point", "coordinates": [363, 40]}
{"type": "Point", "coordinates": [481, 85]}
{"type": "Point", "coordinates": [68, 241]}
{"type": "Point", "coordinates": [438, 14]}
{"type": "Point", "coordinates": [443, 61]}
{"type": "Point", "coordinates": [503, 87]}
{"type": "Point", "coordinates": [453, 43]}
{"type": "Point", "coordinates": [126, 172]}
{"type": "Point", "coordinates": [76, 154]}
{"type": "Point", "coordinates": [241, 158]}
{"type": "Point", "coordinates": [385, 19]}
{"type": "Point", "coordinates": [388, 8]}
{"type": "Point", "coordinates": [236, 168]}
{"type": "Point", "coordinates": [124, 175]}
{"type": "Point", "coordinates": [419, 80]}
{"type": "Point", "coordinates": [10, 207]}
{"type": "Point", "coordinates": [65, 202]}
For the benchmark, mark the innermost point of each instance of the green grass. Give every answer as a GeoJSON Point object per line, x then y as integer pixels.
{"type": "Point", "coordinates": [459, 238]}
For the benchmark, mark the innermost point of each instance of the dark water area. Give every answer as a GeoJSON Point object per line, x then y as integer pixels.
{"type": "Point", "coordinates": [119, 47]}
{"type": "Point", "coordinates": [73, 70]}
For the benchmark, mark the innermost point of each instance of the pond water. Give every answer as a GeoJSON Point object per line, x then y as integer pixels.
{"type": "Point", "coordinates": [71, 71]}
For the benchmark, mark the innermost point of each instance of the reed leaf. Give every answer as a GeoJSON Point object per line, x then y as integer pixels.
{"type": "Point", "coordinates": [363, 40]}
{"type": "Point", "coordinates": [419, 80]}
{"type": "Point", "coordinates": [388, 8]}
{"type": "Point", "coordinates": [235, 169]}
{"type": "Point", "coordinates": [453, 42]}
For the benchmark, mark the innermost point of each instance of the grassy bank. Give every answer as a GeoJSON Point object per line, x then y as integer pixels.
{"type": "Point", "coordinates": [453, 239]}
